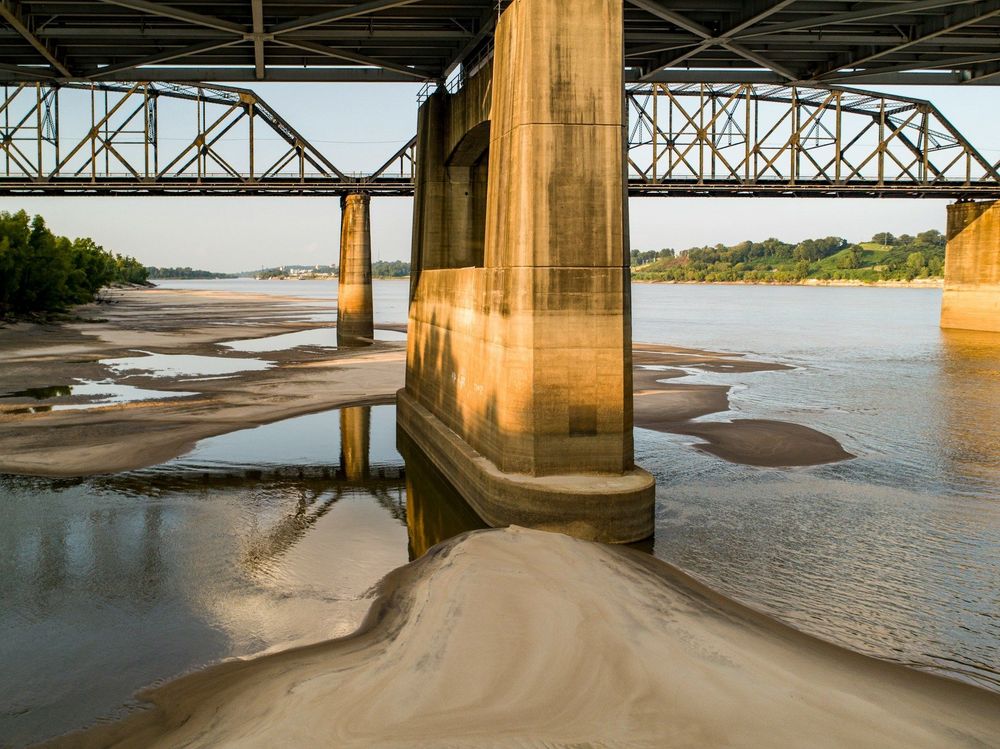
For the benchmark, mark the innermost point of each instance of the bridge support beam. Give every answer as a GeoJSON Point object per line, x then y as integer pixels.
{"type": "Point", "coordinates": [972, 267]}
{"type": "Point", "coordinates": [355, 319]}
{"type": "Point", "coordinates": [519, 372]}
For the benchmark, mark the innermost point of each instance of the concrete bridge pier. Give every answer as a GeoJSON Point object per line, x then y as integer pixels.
{"type": "Point", "coordinates": [355, 320]}
{"type": "Point", "coordinates": [519, 371]}
{"type": "Point", "coordinates": [972, 267]}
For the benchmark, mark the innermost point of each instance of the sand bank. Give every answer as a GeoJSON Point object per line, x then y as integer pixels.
{"type": "Point", "coordinates": [524, 638]}
{"type": "Point", "coordinates": [122, 437]}
{"type": "Point", "coordinates": [667, 406]}
{"type": "Point", "coordinates": [303, 380]}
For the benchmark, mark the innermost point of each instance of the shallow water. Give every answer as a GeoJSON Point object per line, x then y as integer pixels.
{"type": "Point", "coordinates": [96, 393]}
{"type": "Point", "coordinates": [183, 365]}
{"type": "Point", "coordinates": [325, 338]}
{"type": "Point", "coordinates": [270, 536]}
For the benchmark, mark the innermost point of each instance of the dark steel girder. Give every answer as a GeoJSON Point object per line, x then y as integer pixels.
{"type": "Point", "coordinates": [885, 42]}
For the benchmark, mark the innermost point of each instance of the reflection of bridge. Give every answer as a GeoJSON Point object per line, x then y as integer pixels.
{"type": "Point", "coordinates": [683, 139]}
{"type": "Point", "coordinates": [518, 373]}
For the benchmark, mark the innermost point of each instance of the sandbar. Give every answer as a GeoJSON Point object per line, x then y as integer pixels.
{"type": "Point", "coordinates": [521, 638]}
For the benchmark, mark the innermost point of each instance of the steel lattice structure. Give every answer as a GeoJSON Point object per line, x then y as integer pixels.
{"type": "Point", "coordinates": [867, 42]}
{"type": "Point", "coordinates": [761, 139]}
{"type": "Point", "coordinates": [707, 139]}
{"type": "Point", "coordinates": [222, 141]}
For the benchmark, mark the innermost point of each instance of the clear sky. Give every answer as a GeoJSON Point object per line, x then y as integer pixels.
{"type": "Point", "coordinates": [358, 126]}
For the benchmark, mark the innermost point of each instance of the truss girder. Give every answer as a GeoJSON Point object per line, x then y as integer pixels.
{"type": "Point", "coordinates": [689, 139]}
{"type": "Point", "coordinates": [159, 138]}
{"type": "Point", "coordinates": [756, 137]}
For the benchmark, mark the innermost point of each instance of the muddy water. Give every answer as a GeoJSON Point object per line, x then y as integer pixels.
{"type": "Point", "coordinates": [273, 536]}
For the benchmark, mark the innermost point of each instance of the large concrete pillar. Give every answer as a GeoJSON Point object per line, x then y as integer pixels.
{"type": "Point", "coordinates": [972, 267]}
{"type": "Point", "coordinates": [519, 369]}
{"type": "Point", "coordinates": [355, 321]}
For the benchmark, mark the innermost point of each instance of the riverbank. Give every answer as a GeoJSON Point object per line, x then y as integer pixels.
{"type": "Point", "coordinates": [919, 283]}
{"type": "Point", "coordinates": [524, 638]}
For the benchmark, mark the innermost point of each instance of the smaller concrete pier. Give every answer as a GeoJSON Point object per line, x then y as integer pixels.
{"type": "Point", "coordinates": [972, 267]}
{"type": "Point", "coordinates": [355, 320]}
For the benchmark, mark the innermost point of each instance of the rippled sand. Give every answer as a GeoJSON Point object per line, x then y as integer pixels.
{"type": "Point", "coordinates": [523, 638]}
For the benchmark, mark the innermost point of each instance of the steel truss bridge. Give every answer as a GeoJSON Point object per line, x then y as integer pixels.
{"type": "Point", "coordinates": [684, 139]}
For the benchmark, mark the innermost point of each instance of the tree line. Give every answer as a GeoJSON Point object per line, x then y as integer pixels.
{"type": "Point", "coordinates": [42, 272]}
{"type": "Point", "coordinates": [885, 258]}
{"type": "Point", "coordinates": [183, 273]}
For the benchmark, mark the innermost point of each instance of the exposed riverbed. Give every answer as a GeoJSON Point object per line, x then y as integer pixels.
{"type": "Point", "coordinates": [260, 538]}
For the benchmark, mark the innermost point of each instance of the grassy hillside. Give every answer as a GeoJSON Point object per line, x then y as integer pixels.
{"type": "Point", "coordinates": [885, 258]}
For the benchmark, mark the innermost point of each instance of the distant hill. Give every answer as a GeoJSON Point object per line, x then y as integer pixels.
{"type": "Point", "coordinates": [885, 258]}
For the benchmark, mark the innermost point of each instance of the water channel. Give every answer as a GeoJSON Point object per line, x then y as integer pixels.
{"type": "Point", "coordinates": [273, 536]}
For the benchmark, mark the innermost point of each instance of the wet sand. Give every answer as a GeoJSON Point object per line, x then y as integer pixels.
{"type": "Point", "coordinates": [115, 438]}
{"type": "Point", "coordinates": [525, 638]}
{"type": "Point", "coordinates": [303, 380]}
{"type": "Point", "coordinates": [666, 406]}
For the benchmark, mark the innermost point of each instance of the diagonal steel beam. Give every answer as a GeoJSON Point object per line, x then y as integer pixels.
{"type": "Point", "coordinates": [959, 19]}
{"type": "Point", "coordinates": [354, 57]}
{"type": "Point", "coordinates": [486, 25]}
{"type": "Point", "coordinates": [179, 14]}
{"type": "Point", "coordinates": [950, 63]}
{"type": "Point", "coordinates": [868, 14]}
{"type": "Point", "coordinates": [163, 57]}
{"type": "Point", "coordinates": [756, 18]}
{"type": "Point", "coordinates": [257, 11]}
{"type": "Point", "coordinates": [338, 15]}
{"type": "Point", "coordinates": [654, 7]}
{"type": "Point", "coordinates": [11, 13]}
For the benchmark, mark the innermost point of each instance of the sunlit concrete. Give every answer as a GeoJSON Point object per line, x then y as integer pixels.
{"type": "Point", "coordinates": [519, 361]}
{"type": "Point", "coordinates": [355, 320]}
{"type": "Point", "coordinates": [972, 267]}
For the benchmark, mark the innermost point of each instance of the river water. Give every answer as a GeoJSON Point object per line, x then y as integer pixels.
{"type": "Point", "coordinates": [274, 536]}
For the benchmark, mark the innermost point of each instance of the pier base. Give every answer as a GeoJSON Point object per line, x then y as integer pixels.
{"type": "Point", "coordinates": [355, 318]}
{"type": "Point", "coordinates": [519, 366]}
{"type": "Point", "coordinates": [972, 267]}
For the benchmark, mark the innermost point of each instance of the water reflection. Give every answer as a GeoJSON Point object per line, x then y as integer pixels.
{"type": "Point", "coordinates": [112, 583]}
{"type": "Point", "coordinates": [968, 408]}
{"type": "Point", "coordinates": [435, 511]}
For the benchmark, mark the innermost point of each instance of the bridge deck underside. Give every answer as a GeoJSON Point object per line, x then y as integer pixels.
{"type": "Point", "coordinates": [831, 41]}
{"type": "Point", "coordinates": [390, 188]}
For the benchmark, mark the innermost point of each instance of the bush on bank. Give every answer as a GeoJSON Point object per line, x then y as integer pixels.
{"type": "Point", "coordinates": [41, 272]}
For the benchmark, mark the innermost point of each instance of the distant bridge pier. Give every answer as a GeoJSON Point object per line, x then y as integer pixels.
{"type": "Point", "coordinates": [972, 267]}
{"type": "Point", "coordinates": [355, 319]}
{"type": "Point", "coordinates": [519, 372]}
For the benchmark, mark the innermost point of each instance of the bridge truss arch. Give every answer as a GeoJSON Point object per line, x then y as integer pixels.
{"type": "Point", "coordinates": [722, 139]}
{"type": "Point", "coordinates": [167, 139]}
{"type": "Point", "coordinates": [769, 140]}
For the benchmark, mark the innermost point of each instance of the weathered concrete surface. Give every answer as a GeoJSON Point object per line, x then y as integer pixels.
{"type": "Point", "coordinates": [519, 363]}
{"type": "Point", "coordinates": [972, 267]}
{"type": "Point", "coordinates": [355, 320]}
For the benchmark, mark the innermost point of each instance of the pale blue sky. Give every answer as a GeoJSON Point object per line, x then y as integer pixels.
{"type": "Point", "coordinates": [359, 125]}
